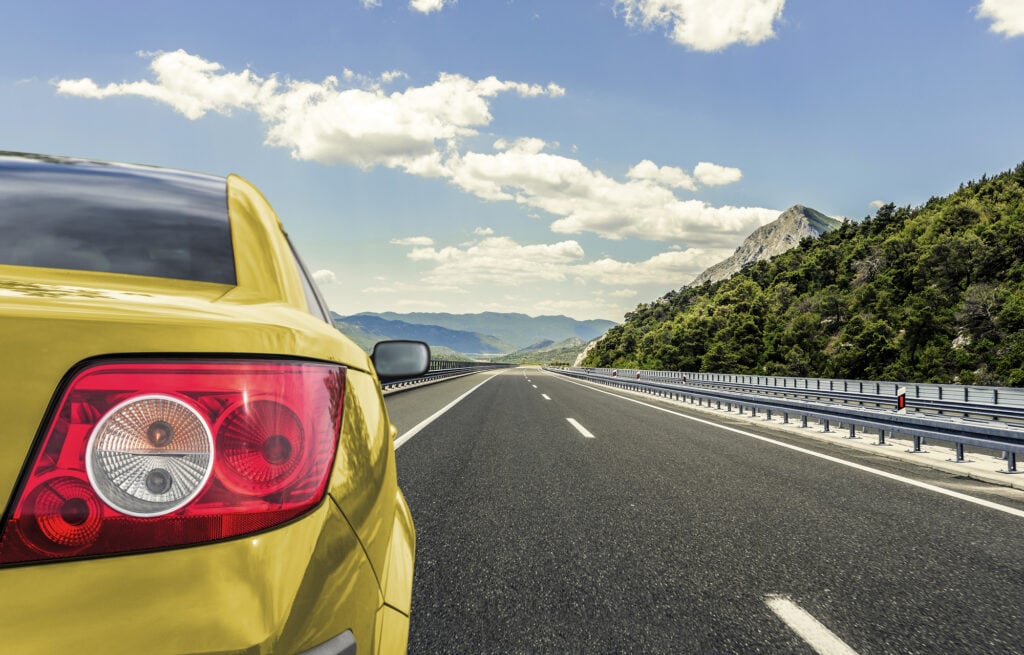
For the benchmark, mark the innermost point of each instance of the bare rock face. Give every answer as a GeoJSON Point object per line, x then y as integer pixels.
{"type": "Point", "coordinates": [586, 351]}
{"type": "Point", "coordinates": [770, 240]}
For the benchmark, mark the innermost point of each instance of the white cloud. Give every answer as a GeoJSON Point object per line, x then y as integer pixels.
{"type": "Point", "coordinates": [191, 85]}
{"type": "Point", "coordinates": [1007, 16]}
{"type": "Point", "coordinates": [324, 276]}
{"type": "Point", "coordinates": [669, 176]}
{"type": "Point", "coordinates": [563, 307]}
{"type": "Point", "coordinates": [710, 174]}
{"type": "Point", "coordinates": [412, 290]}
{"type": "Point", "coordinates": [420, 129]}
{"type": "Point", "coordinates": [673, 269]}
{"type": "Point", "coordinates": [502, 261]}
{"type": "Point", "coordinates": [413, 241]}
{"type": "Point", "coordinates": [483, 231]}
{"type": "Point", "coordinates": [427, 6]}
{"type": "Point", "coordinates": [706, 25]}
{"type": "Point", "coordinates": [589, 201]}
{"type": "Point", "coordinates": [324, 121]}
{"type": "Point", "coordinates": [370, 4]}
{"type": "Point", "coordinates": [527, 145]}
{"type": "Point", "coordinates": [388, 77]}
{"type": "Point", "coordinates": [877, 204]}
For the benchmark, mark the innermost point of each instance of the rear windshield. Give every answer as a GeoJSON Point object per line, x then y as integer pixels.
{"type": "Point", "coordinates": [117, 218]}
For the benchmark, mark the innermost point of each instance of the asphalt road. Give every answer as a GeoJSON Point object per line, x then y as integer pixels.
{"type": "Point", "coordinates": [664, 535]}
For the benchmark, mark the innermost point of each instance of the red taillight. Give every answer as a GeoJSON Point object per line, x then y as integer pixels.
{"type": "Point", "coordinates": [159, 454]}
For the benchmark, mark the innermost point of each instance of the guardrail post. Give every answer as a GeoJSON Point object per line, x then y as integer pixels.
{"type": "Point", "coordinates": [825, 424]}
{"type": "Point", "coordinates": [719, 404]}
{"type": "Point", "coordinates": [753, 412]}
{"type": "Point", "coordinates": [1011, 463]}
{"type": "Point", "coordinates": [739, 407]}
{"type": "Point", "coordinates": [881, 439]}
{"type": "Point", "coordinates": [917, 445]}
{"type": "Point", "coordinates": [959, 455]}
{"type": "Point", "coordinates": [785, 417]}
{"type": "Point", "coordinates": [803, 421]}
{"type": "Point", "coordinates": [768, 415]}
{"type": "Point", "coordinates": [853, 434]}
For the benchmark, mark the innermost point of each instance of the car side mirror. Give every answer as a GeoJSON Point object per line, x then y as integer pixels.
{"type": "Point", "coordinates": [399, 359]}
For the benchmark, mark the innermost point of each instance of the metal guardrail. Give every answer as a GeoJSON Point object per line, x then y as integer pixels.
{"type": "Point", "coordinates": [960, 432]}
{"type": "Point", "coordinates": [995, 403]}
{"type": "Point", "coordinates": [441, 369]}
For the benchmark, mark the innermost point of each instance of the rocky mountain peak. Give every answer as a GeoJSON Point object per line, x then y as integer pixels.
{"type": "Point", "coordinates": [772, 239]}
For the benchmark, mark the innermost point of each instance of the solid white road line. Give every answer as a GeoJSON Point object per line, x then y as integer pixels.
{"type": "Point", "coordinates": [430, 419]}
{"type": "Point", "coordinates": [579, 428]}
{"type": "Point", "coordinates": [534, 386]}
{"type": "Point", "coordinates": [860, 467]}
{"type": "Point", "coordinates": [545, 396]}
{"type": "Point", "coordinates": [820, 638]}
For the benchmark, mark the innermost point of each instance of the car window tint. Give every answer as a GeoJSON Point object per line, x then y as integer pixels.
{"type": "Point", "coordinates": [118, 218]}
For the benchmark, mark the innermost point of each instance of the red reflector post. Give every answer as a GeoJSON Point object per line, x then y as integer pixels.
{"type": "Point", "coordinates": [143, 455]}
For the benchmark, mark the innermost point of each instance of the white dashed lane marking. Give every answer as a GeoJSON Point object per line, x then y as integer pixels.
{"type": "Point", "coordinates": [579, 428]}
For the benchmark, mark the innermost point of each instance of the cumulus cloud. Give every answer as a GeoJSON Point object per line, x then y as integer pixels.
{"type": "Point", "coordinates": [707, 25]}
{"type": "Point", "coordinates": [390, 76]}
{"type": "Point", "coordinates": [501, 261]}
{"type": "Point", "coordinates": [413, 241]}
{"type": "Point", "coordinates": [670, 268]}
{"type": "Point", "coordinates": [324, 276]}
{"type": "Point", "coordinates": [422, 130]}
{"type": "Point", "coordinates": [624, 293]}
{"type": "Point", "coordinates": [1007, 16]}
{"type": "Point", "coordinates": [483, 231]}
{"type": "Point", "coordinates": [590, 201]}
{"type": "Point", "coordinates": [710, 174]}
{"type": "Point", "coordinates": [189, 84]}
{"type": "Point", "coordinates": [427, 6]}
{"type": "Point", "coordinates": [876, 204]}
{"type": "Point", "coordinates": [327, 121]}
{"type": "Point", "coordinates": [666, 175]}
{"type": "Point", "coordinates": [562, 306]}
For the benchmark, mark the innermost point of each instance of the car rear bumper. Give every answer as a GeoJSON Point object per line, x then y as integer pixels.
{"type": "Point", "coordinates": [289, 590]}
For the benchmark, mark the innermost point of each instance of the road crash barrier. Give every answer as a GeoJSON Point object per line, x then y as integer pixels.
{"type": "Point", "coordinates": [882, 415]}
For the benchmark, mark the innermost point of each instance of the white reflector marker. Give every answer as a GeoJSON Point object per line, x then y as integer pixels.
{"type": "Point", "coordinates": [579, 428]}
{"type": "Point", "coordinates": [807, 627]}
{"type": "Point", "coordinates": [545, 396]}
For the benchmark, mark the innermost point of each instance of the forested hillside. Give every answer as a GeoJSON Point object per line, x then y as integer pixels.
{"type": "Point", "coordinates": [932, 294]}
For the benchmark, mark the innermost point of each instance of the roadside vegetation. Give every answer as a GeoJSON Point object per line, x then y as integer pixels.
{"type": "Point", "coordinates": [927, 294]}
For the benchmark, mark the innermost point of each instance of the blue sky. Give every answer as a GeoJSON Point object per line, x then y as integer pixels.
{"type": "Point", "coordinates": [546, 157]}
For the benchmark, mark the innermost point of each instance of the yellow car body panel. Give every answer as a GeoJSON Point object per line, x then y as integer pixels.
{"type": "Point", "coordinates": [345, 566]}
{"type": "Point", "coordinates": [282, 591]}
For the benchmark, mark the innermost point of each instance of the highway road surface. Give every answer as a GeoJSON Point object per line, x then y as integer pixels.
{"type": "Point", "coordinates": [554, 516]}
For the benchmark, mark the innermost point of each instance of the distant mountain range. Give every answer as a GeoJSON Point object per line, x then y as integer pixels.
{"type": "Point", "coordinates": [546, 352]}
{"type": "Point", "coordinates": [487, 333]}
{"type": "Point", "coordinates": [775, 238]}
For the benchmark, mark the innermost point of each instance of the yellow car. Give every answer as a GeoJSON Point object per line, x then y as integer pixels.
{"type": "Point", "coordinates": [192, 458]}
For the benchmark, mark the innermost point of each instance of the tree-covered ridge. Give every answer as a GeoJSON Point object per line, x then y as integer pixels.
{"type": "Point", "coordinates": [932, 294]}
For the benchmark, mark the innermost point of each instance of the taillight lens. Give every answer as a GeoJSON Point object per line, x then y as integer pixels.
{"type": "Point", "coordinates": [144, 455]}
